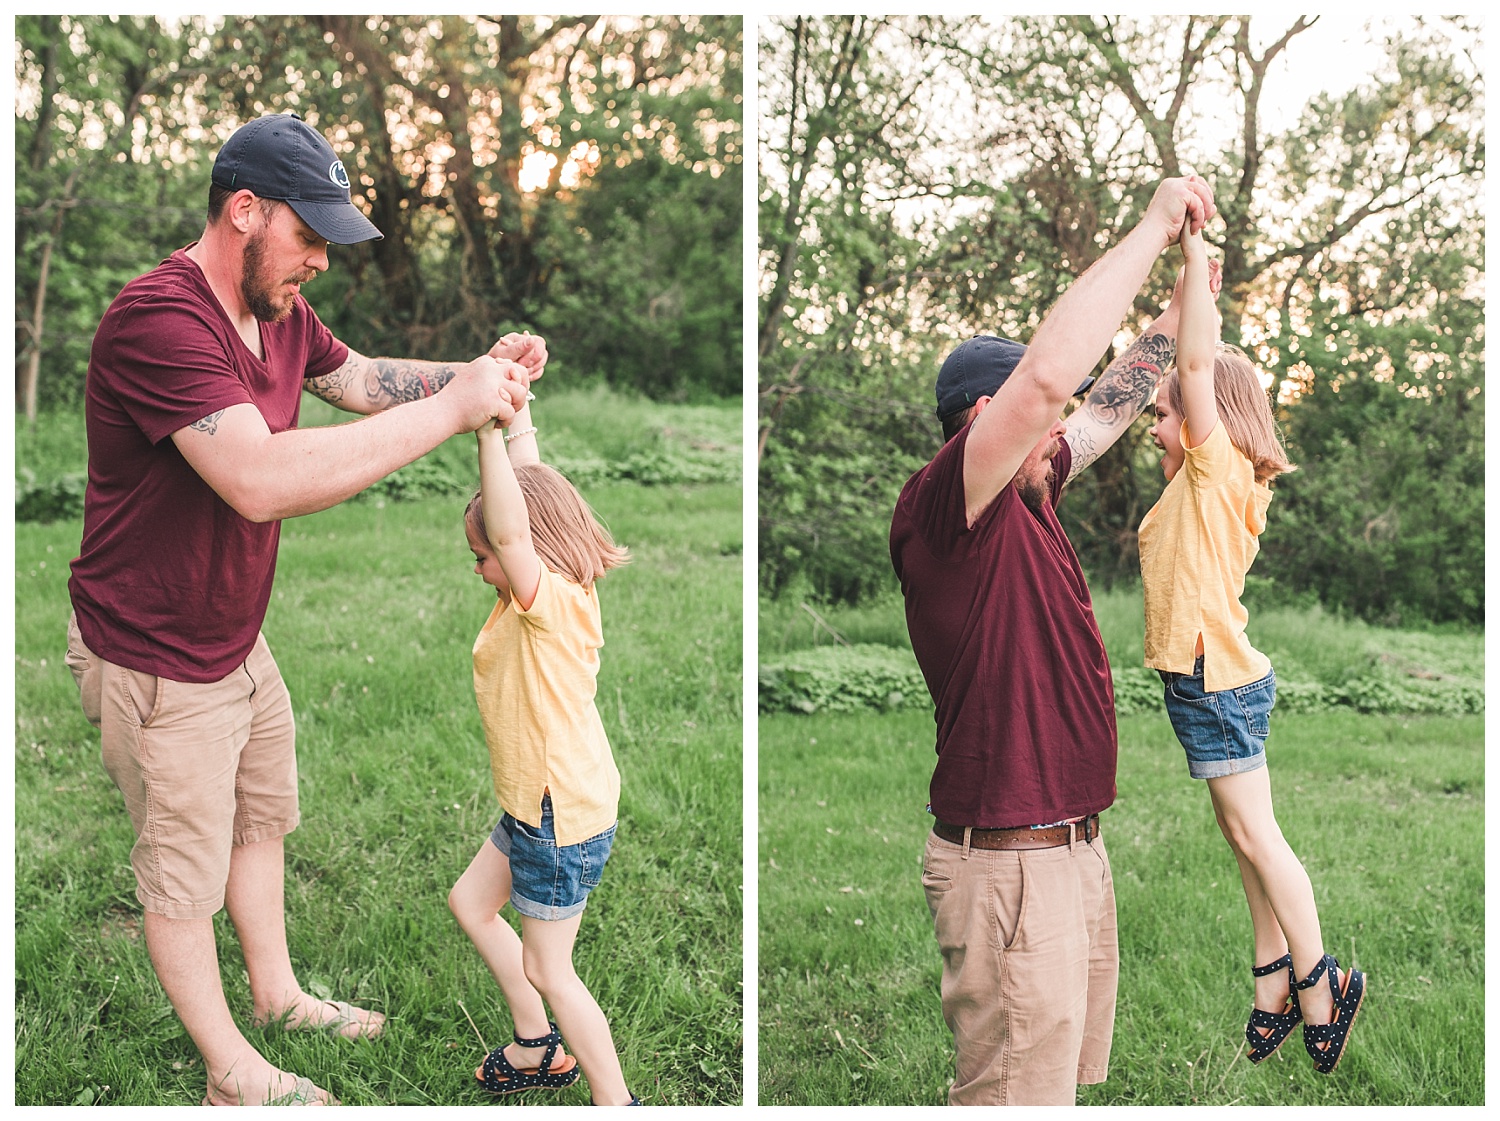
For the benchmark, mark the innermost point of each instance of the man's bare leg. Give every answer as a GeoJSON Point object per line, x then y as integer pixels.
{"type": "Point", "coordinates": [186, 961]}
{"type": "Point", "coordinates": [254, 899]}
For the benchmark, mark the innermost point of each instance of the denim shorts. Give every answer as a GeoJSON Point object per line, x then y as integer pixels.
{"type": "Point", "coordinates": [550, 881]}
{"type": "Point", "coordinates": [1224, 733]}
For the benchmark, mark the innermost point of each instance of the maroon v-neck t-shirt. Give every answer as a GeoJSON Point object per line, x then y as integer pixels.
{"type": "Point", "coordinates": [169, 579]}
{"type": "Point", "coordinates": [1003, 628]}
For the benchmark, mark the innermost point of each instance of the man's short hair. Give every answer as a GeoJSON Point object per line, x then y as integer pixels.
{"type": "Point", "coordinates": [953, 423]}
{"type": "Point", "coordinates": [218, 196]}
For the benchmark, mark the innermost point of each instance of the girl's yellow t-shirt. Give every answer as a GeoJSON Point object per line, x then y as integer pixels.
{"type": "Point", "coordinates": [1196, 545]}
{"type": "Point", "coordinates": [535, 676]}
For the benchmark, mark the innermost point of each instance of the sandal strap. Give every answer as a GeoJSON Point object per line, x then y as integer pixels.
{"type": "Point", "coordinates": [552, 1041]}
{"type": "Point", "coordinates": [1283, 962]}
{"type": "Point", "coordinates": [552, 1036]}
{"type": "Point", "coordinates": [1330, 965]}
{"type": "Point", "coordinates": [1271, 1021]}
{"type": "Point", "coordinates": [496, 1064]}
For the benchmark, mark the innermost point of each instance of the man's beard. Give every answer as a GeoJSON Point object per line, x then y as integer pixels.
{"type": "Point", "coordinates": [1036, 489]}
{"type": "Point", "coordinates": [256, 292]}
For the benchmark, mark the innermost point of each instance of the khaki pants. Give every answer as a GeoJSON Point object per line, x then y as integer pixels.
{"type": "Point", "coordinates": [202, 768]}
{"type": "Point", "coordinates": [1030, 967]}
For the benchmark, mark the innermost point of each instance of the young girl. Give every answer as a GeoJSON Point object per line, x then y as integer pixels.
{"type": "Point", "coordinates": [1220, 450]}
{"type": "Point", "coordinates": [537, 543]}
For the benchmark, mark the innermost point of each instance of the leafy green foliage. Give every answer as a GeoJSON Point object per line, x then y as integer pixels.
{"type": "Point", "coordinates": [50, 500]}
{"type": "Point", "coordinates": [842, 679]}
{"type": "Point", "coordinates": [626, 253]}
{"type": "Point", "coordinates": [983, 164]}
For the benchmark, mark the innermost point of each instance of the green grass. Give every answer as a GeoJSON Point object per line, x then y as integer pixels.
{"type": "Point", "coordinates": [373, 617]}
{"type": "Point", "coordinates": [1387, 814]}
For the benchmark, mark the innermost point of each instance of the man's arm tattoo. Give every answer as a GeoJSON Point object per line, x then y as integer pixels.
{"type": "Point", "coordinates": [1118, 397]}
{"type": "Point", "coordinates": [332, 387]}
{"type": "Point", "coordinates": [208, 424]}
{"type": "Point", "coordinates": [395, 381]}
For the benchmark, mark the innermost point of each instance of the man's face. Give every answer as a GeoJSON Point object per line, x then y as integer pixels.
{"type": "Point", "coordinates": [281, 255]}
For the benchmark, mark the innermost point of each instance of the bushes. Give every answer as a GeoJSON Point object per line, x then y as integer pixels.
{"type": "Point", "coordinates": [868, 676]}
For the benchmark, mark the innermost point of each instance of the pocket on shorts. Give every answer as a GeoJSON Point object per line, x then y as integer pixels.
{"type": "Point", "coordinates": [534, 834]}
{"type": "Point", "coordinates": [593, 854]}
{"type": "Point", "coordinates": [1195, 715]}
{"type": "Point", "coordinates": [1256, 702]}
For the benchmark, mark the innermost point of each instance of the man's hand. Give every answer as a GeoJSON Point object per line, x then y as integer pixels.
{"type": "Point", "coordinates": [1184, 201]}
{"type": "Point", "coordinates": [527, 350]}
{"type": "Point", "coordinates": [485, 389]}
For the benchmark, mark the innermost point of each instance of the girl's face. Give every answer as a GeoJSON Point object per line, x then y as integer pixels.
{"type": "Point", "coordinates": [1166, 433]}
{"type": "Point", "coordinates": [486, 564]}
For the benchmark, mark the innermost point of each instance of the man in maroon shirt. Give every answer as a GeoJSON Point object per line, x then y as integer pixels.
{"type": "Point", "coordinates": [1002, 625]}
{"type": "Point", "coordinates": [191, 406]}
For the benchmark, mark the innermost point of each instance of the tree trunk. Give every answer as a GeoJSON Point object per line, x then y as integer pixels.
{"type": "Point", "coordinates": [32, 376]}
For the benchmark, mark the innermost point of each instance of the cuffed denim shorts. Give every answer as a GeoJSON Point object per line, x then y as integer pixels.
{"type": "Point", "coordinates": [550, 881]}
{"type": "Point", "coordinates": [1223, 733]}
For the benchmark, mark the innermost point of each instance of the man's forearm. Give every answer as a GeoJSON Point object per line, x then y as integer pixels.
{"type": "Point", "coordinates": [370, 385]}
{"type": "Point", "coordinates": [267, 476]}
{"type": "Point", "coordinates": [1122, 391]}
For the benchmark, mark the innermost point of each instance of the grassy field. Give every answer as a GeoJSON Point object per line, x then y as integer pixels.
{"type": "Point", "coordinates": [376, 607]}
{"type": "Point", "coordinates": [1387, 814]}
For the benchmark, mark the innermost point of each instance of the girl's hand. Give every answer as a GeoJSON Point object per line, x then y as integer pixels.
{"type": "Point", "coordinates": [488, 428]}
{"type": "Point", "coordinates": [1193, 247]}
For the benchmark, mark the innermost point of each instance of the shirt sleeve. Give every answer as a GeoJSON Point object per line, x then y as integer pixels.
{"type": "Point", "coordinates": [546, 607]}
{"type": "Point", "coordinates": [1210, 462]}
{"type": "Point", "coordinates": [169, 369]}
{"type": "Point", "coordinates": [937, 501]}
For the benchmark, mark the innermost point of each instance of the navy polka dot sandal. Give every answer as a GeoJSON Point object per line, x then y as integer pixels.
{"type": "Point", "coordinates": [499, 1077]}
{"type": "Point", "coordinates": [1267, 1031]}
{"type": "Point", "coordinates": [1325, 1042]}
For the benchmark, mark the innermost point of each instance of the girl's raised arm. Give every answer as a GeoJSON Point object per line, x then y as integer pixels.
{"type": "Point", "coordinates": [505, 517]}
{"type": "Point", "coordinates": [1197, 340]}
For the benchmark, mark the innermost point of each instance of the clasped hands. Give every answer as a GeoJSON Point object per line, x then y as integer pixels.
{"type": "Point", "coordinates": [502, 379]}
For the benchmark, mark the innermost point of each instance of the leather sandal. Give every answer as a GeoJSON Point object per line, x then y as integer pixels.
{"type": "Point", "coordinates": [1325, 1042]}
{"type": "Point", "coordinates": [1267, 1031]}
{"type": "Point", "coordinates": [498, 1076]}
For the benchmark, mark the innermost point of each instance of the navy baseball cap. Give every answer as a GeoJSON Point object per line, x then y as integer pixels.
{"type": "Point", "coordinates": [977, 368]}
{"type": "Point", "coordinates": [283, 157]}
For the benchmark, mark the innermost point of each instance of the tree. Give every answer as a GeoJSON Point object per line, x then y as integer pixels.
{"type": "Point", "coordinates": [479, 145]}
{"type": "Point", "coordinates": [1053, 134]}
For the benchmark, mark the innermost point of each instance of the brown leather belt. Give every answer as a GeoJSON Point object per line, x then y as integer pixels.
{"type": "Point", "coordinates": [1053, 836]}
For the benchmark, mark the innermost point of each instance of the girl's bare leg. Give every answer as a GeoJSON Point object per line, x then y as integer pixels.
{"type": "Point", "coordinates": [1271, 872]}
{"type": "Point", "coordinates": [476, 901]}
{"type": "Point", "coordinates": [547, 952]}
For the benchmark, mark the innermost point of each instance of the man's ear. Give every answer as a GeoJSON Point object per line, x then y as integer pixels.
{"type": "Point", "coordinates": [979, 406]}
{"type": "Point", "coordinates": [240, 210]}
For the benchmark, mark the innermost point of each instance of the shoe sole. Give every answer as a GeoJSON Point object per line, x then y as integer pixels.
{"type": "Point", "coordinates": [523, 1089]}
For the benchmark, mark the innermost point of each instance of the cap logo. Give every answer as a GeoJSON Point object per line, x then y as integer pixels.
{"type": "Point", "coordinates": [337, 173]}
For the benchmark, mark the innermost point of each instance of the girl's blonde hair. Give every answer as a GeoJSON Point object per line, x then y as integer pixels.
{"type": "Point", "coordinates": [1244, 410]}
{"type": "Point", "coordinates": [565, 532]}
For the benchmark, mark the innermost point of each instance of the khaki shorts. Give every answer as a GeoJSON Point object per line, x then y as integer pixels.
{"type": "Point", "coordinates": [202, 768]}
{"type": "Point", "coordinates": [1030, 967]}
